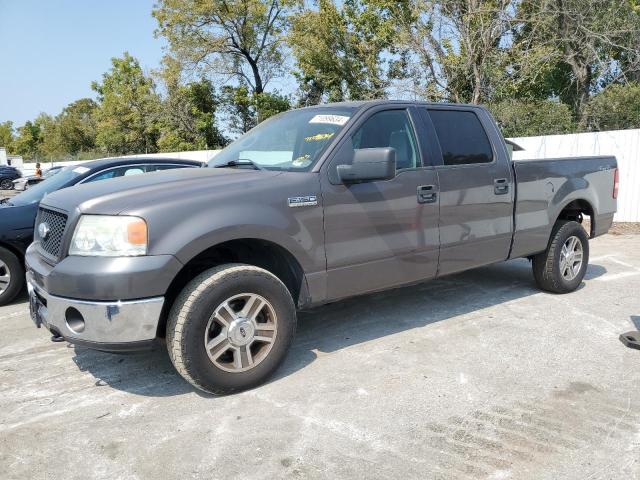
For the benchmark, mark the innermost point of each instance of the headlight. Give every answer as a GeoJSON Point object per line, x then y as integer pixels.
{"type": "Point", "coordinates": [109, 236]}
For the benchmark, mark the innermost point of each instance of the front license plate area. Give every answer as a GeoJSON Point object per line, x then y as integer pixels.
{"type": "Point", "coordinates": [34, 308]}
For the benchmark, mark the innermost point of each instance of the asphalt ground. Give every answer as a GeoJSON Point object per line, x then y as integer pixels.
{"type": "Point", "coordinates": [477, 375]}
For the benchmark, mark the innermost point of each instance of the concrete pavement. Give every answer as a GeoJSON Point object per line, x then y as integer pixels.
{"type": "Point", "coordinates": [477, 375]}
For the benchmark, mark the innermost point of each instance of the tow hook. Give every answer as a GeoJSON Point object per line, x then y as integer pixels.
{"type": "Point", "coordinates": [631, 340]}
{"type": "Point", "coordinates": [56, 337]}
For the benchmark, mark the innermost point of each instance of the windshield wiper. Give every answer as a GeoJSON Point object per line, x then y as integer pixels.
{"type": "Point", "coordinates": [241, 162]}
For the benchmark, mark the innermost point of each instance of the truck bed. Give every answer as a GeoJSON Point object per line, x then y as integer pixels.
{"type": "Point", "coordinates": [546, 186]}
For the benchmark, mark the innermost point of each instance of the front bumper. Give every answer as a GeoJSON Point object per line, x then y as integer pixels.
{"type": "Point", "coordinates": [120, 325]}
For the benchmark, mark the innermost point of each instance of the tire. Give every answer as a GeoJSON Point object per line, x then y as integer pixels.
{"type": "Point", "coordinates": [6, 184]}
{"type": "Point", "coordinates": [10, 266]}
{"type": "Point", "coordinates": [547, 265]}
{"type": "Point", "coordinates": [198, 313]}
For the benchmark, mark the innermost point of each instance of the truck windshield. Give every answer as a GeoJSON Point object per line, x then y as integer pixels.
{"type": "Point", "coordinates": [51, 184]}
{"type": "Point", "coordinates": [291, 141]}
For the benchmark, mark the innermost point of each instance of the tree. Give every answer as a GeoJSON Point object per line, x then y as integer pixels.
{"type": "Point", "coordinates": [594, 44]}
{"type": "Point", "coordinates": [522, 118]}
{"type": "Point", "coordinates": [49, 143]}
{"type": "Point", "coordinates": [77, 127]}
{"type": "Point", "coordinates": [339, 51]}
{"type": "Point", "coordinates": [6, 135]}
{"type": "Point", "coordinates": [27, 140]}
{"type": "Point", "coordinates": [455, 48]}
{"type": "Point", "coordinates": [189, 118]}
{"type": "Point", "coordinates": [615, 108]}
{"type": "Point", "coordinates": [129, 108]}
{"type": "Point", "coordinates": [240, 39]}
{"type": "Point", "coordinates": [188, 112]}
{"type": "Point", "coordinates": [245, 110]}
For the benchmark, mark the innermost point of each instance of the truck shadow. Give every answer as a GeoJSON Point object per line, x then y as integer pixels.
{"type": "Point", "coordinates": [333, 327]}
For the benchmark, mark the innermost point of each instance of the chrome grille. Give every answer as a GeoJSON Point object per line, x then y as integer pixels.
{"type": "Point", "coordinates": [57, 222]}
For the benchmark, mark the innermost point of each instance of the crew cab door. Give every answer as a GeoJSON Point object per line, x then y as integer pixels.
{"type": "Point", "coordinates": [380, 234]}
{"type": "Point", "coordinates": [476, 188]}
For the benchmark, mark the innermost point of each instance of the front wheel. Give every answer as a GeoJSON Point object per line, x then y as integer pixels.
{"type": "Point", "coordinates": [6, 184]}
{"type": "Point", "coordinates": [562, 266]}
{"type": "Point", "coordinates": [230, 328]}
{"type": "Point", "coordinates": [11, 276]}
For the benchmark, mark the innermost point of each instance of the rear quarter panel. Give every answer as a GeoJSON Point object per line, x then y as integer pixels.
{"type": "Point", "coordinates": [546, 187]}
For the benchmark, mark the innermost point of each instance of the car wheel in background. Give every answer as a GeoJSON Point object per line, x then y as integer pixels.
{"type": "Point", "coordinates": [11, 276]}
{"type": "Point", "coordinates": [6, 184]}
{"type": "Point", "coordinates": [561, 267]}
{"type": "Point", "coordinates": [230, 328]}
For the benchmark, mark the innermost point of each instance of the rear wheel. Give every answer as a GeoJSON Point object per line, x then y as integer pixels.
{"type": "Point", "coordinates": [562, 266]}
{"type": "Point", "coordinates": [6, 184]}
{"type": "Point", "coordinates": [230, 328]}
{"type": "Point", "coordinates": [11, 276]}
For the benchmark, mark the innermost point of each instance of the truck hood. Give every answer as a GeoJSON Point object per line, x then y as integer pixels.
{"type": "Point", "coordinates": [110, 197]}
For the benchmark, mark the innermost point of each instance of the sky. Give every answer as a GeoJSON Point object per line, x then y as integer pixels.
{"type": "Point", "coordinates": [51, 50]}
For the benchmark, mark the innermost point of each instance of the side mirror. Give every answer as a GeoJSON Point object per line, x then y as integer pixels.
{"type": "Point", "coordinates": [369, 164]}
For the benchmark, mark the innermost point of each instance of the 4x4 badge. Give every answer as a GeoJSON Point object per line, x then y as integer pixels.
{"type": "Point", "coordinates": [308, 201]}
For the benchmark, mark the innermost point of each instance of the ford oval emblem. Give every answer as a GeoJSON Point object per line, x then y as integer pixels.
{"type": "Point", "coordinates": [44, 230]}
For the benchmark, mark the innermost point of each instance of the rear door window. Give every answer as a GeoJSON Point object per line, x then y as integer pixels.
{"type": "Point", "coordinates": [462, 137]}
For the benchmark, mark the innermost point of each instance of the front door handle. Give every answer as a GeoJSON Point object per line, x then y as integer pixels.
{"type": "Point", "coordinates": [500, 186]}
{"type": "Point", "coordinates": [427, 194]}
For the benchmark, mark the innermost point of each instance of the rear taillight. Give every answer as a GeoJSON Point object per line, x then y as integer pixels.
{"type": "Point", "coordinates": [616, 182]}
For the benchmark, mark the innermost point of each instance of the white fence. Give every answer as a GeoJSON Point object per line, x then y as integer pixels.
{"type": "Point", "coordinates": [624, 144]}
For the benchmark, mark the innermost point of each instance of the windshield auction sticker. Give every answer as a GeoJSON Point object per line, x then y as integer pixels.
{"type": "Point", "coordinates": [330, 119]}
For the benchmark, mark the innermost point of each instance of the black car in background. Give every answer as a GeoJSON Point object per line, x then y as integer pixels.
{"type": "Point", "coordinates": [7, 175]}
{"type": "Point", "coordinates": [18, 214]}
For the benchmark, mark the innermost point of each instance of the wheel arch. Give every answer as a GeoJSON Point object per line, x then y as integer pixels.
{"type": "Point", "coordinates": [575, 210]}
{"type": "Point", "coordinates": [252, 251]}
{"type": "Point", "coordinates": [13, 249]}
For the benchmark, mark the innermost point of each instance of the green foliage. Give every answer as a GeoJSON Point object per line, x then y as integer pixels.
{"type": "Point", "coordinates": [77, 127]}
{"type": "Point", "coordinates": [339, 51]}
{"type": "Point", "coordinates": [245, 109]}
{"type": "Point", "coordinates": [522, 118]}
{"type": "Point", "coordinates": [543, 66]}
{"type": "Point", "coordinates": [129, 108]}
{"type": "Point", "coordinates": [6, 135]}
{"type": "Point", "coordinates": [237, 38]}
{"type": "Point", "coordinates": [615, 108]}
{"type": "Point", "coordinates": [590, 45]}
{"type": "Point", "coordinates": [268, 104]}
{"type": "Point", "coordinates": [188, 119]}
{"type": "Point", "coordinates": [27, 140]}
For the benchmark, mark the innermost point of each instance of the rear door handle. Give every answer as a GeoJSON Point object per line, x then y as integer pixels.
{"type": "Point", "coordinates": [427, 194]}
{"type": "Point", "coordinates": [500, 186]}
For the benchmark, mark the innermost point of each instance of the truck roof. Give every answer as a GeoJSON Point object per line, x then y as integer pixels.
{"type": "Point", "coordinates": [362, 103]}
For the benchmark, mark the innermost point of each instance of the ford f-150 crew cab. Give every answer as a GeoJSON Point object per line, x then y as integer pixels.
{"type": "Point", "coordinates": [311, 206]}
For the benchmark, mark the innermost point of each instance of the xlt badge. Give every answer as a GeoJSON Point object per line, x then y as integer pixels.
{"type": "Point", "coordinates": [307, 201]}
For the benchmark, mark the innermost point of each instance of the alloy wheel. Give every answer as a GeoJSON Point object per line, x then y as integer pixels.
{"type": "Point", "coordinates": [571, 258]}
{"type": "Point", "coordinates": [241, 332]}
{"type": "Point", "coordinates": [5, 277]}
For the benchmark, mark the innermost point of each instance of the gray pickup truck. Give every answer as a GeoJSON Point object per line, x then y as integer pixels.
{"type": "Point", "coordinates": [312, 206]}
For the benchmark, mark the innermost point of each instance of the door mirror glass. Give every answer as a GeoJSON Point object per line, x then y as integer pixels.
{"type": "Point", "coordinates": [369, 164]}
